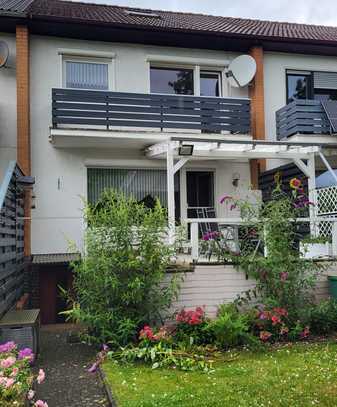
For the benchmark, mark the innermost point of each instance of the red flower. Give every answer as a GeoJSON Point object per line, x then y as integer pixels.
{"type": "Point", "coordinates": [265, 335]}
{"type": "Point", "coordinates": [305, 333]}
{"type": "Point", "coordinates": [147, 333]}
{"type": "Point", "coordinates": [280, 311]}
{"type": "Point", "coordinates": [191, 317]}
{"type": "Point", "coordinates": [275, 320]}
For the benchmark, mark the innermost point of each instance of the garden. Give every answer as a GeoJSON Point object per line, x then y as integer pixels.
{"type": "Point", "coordinates": [273, 345]}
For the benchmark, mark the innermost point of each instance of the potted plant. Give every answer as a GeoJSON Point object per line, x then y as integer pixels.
{"type": "Point", "coordinates": [316, 247]}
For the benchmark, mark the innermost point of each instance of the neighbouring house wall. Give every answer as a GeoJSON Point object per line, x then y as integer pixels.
{"type": "Point", "coordinates": [212, 285]}
{"type": "Point", "coordinates": [275, 66]}
{"type": "Point", "coordinates": [8, 106]}
{"type": "Point", "coordinates": [61, 173]}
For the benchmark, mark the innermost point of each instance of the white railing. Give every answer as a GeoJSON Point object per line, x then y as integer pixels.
{"type": "Point", "coordinates": [222, 222]}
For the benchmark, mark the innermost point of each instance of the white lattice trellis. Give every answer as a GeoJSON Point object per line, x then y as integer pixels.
{"type": "Point", "coordinates": [327, 207]}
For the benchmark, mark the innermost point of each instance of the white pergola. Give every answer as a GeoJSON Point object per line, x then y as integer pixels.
{"type": "Point", "coordinates": [301, 154]}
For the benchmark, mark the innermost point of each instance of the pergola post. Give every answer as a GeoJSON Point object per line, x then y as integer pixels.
{"type": "Point", "coordinates": [309, 170]}
{"type": "Point", "coordinates": [170, 192]}
{"type": "Point", "coordinates": [312, 193]}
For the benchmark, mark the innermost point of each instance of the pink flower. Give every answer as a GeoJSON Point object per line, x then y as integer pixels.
{"type": "Point", "coordinates": [40, 403]}
{"type": "Point", "coordinates": [41, 376]}
{"type": "Point", "coordinates": [9, 383]}
{"type": "Point", "coordinates": [225, 198]}
{"type": "Point", "coordinates": [7, 347]}
{"type": "Point", "coordinates": [305, 333]}
{"type": "Point", "coordinates": [284, 276]}
{"type": "Point", "coordinates": [275, 320]}
{"type": "Point", "coordinates": [265, 335]}
{"type": "Point", "coordinates": [26, 353]}
{"type": "Point", "coordinates": [93, 368]}
{"type": "Point", "coordinates": [8, 362]}
{"type": "Point", "coordinates": [15, 371]}
{"type": "Point", "coordinates": [146, 333]}
{"type": "Point", "coordinates": [31, 394]}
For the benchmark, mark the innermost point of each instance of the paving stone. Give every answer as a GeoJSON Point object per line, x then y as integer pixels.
{"type": "Point", "coordinates": [68, 384]}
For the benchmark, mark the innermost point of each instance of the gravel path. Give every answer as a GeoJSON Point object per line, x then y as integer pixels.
{"type": "Point", "coordinates": [67, 383]}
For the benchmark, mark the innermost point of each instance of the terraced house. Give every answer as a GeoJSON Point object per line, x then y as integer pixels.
{"type": "Point", "coordinates": [95, 96]}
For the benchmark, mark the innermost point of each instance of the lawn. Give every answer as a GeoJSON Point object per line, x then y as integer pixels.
{"type": "Point", "coordinates": [293, 375]}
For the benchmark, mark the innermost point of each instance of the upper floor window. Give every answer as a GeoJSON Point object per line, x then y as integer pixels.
{"type": "Point", "coordinates": [172, 81]}
{"type": "Point", "coordinates": [86, 75]}
{"type": "Point", "coordinates": [299, 86]}
{"type": "Point", "coordinates": [210, 83]}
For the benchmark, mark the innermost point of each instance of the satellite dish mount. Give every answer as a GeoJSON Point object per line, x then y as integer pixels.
{"type": "Point", "coordinates": [4, 54]}
{"type": "Point", "coordinates": [241, 71]}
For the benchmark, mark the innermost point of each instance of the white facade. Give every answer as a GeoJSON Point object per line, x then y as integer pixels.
{"type": "Point", "coordinates": [61, 173]}
{"type": "Point", "coordinates": [61, 181]}
{"type": "Point", "coordinates": [8, 106]}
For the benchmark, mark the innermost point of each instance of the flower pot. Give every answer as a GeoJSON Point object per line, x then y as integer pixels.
{"type": "Point", "coordinates": [315, 250]}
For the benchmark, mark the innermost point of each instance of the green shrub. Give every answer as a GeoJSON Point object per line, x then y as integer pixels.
{"type": "Point", "coordinates": [231, 328]}
{"type": "Point", "coordinates": [323, 317]}
{"type": "Point", "coordinates": [118, 283]}
{"type": "Point", "coordinates": [191, 328]}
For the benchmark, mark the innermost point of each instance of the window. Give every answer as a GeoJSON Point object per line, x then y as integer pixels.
{"type": "Point", "coordinates": [171, 81]}
{"type": "Point", "coordinates": [86, 75]}
{"type": "Point", "coordinates": [299, 86]}
{"type": "Point", "coordinates": [210, 83]}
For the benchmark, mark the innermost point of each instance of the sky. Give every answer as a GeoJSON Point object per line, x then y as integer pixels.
{"type": "Point", "coordinates": [301, 11]}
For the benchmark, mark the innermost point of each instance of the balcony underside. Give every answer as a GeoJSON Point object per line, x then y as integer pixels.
{"type": "Point", "coordinates": [138, 139]}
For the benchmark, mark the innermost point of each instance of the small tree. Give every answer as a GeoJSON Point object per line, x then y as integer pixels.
{"type": "Point", "coordinates": [118, 284]}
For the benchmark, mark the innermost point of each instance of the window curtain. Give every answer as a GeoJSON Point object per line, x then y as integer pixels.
{"type": "Point", "coordinates": [85, 75]}
{"type": "Point", "coordinates": [138, 183]}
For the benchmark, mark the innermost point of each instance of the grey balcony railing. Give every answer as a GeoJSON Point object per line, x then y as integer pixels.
{"type": "Point", "coordinates": [302, 116]}
{"type": "Point", "coordinates": [12, 238]}
{"type": "Point", "coordinates": [117, 109]}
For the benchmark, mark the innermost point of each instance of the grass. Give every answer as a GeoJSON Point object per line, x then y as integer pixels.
{"type": "Point", "coordinates": [293, 375]}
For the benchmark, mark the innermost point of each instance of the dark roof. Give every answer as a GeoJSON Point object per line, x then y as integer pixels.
{"type": "Point", "coordinates": [103, 22]}
{"type": "Point", "coordinates": [167, 20]}
{"type": "Point", "coordinates": [15, 6]}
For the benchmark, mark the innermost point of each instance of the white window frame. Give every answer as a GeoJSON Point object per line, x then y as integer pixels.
{"type": "Point", "coordinates": [89, 60]}
{"type": "Point", "coordinates": [197, 68]}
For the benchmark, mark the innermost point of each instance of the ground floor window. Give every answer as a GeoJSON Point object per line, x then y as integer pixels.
{"type": "Point", "coordinates": [145, 185]}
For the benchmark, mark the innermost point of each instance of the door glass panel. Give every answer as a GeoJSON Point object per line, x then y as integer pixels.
{"type": "Point", "coordinates": [171, 81]}
{"type": "Point", "coordinates": [210, 83]}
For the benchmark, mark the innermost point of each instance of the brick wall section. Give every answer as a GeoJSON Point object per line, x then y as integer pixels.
{"type": "Point", "coordinates": [256, 93]}
{"type": "Point", "coordinates": [23, 119]}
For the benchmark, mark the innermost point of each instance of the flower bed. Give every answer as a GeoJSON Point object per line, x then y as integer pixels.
{"type": "Point", "coordinates": [16, 377]}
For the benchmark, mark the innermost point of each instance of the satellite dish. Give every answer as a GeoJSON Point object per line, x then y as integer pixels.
{"type": "Point", "coordinates": [241, 71]}
{"type": "Point", "coordinates": [4, 53]}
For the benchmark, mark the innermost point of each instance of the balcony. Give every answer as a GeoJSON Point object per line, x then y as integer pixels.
{"type": "Point", "coordinates": [149, 112]}
{"type": "Point", "coordinates": [302, 117]}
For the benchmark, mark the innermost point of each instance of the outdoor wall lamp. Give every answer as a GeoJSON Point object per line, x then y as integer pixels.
{"type": "Point", "coordinates": [186, 149]}
{"type": "Point", "coordinates": [235, 179]}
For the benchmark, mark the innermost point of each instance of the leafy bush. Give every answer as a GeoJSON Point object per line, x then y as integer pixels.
{"type": "Point", "coordinates": [231, 328]}
{"type": "Point", "coordinates": [323, 317]}
{"type": "Point", "coordinates": [16, 377]}
{"type": "Point", "coordinates": [118, 283]}
{"type": "Point", "coordinates": [160, 350]}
